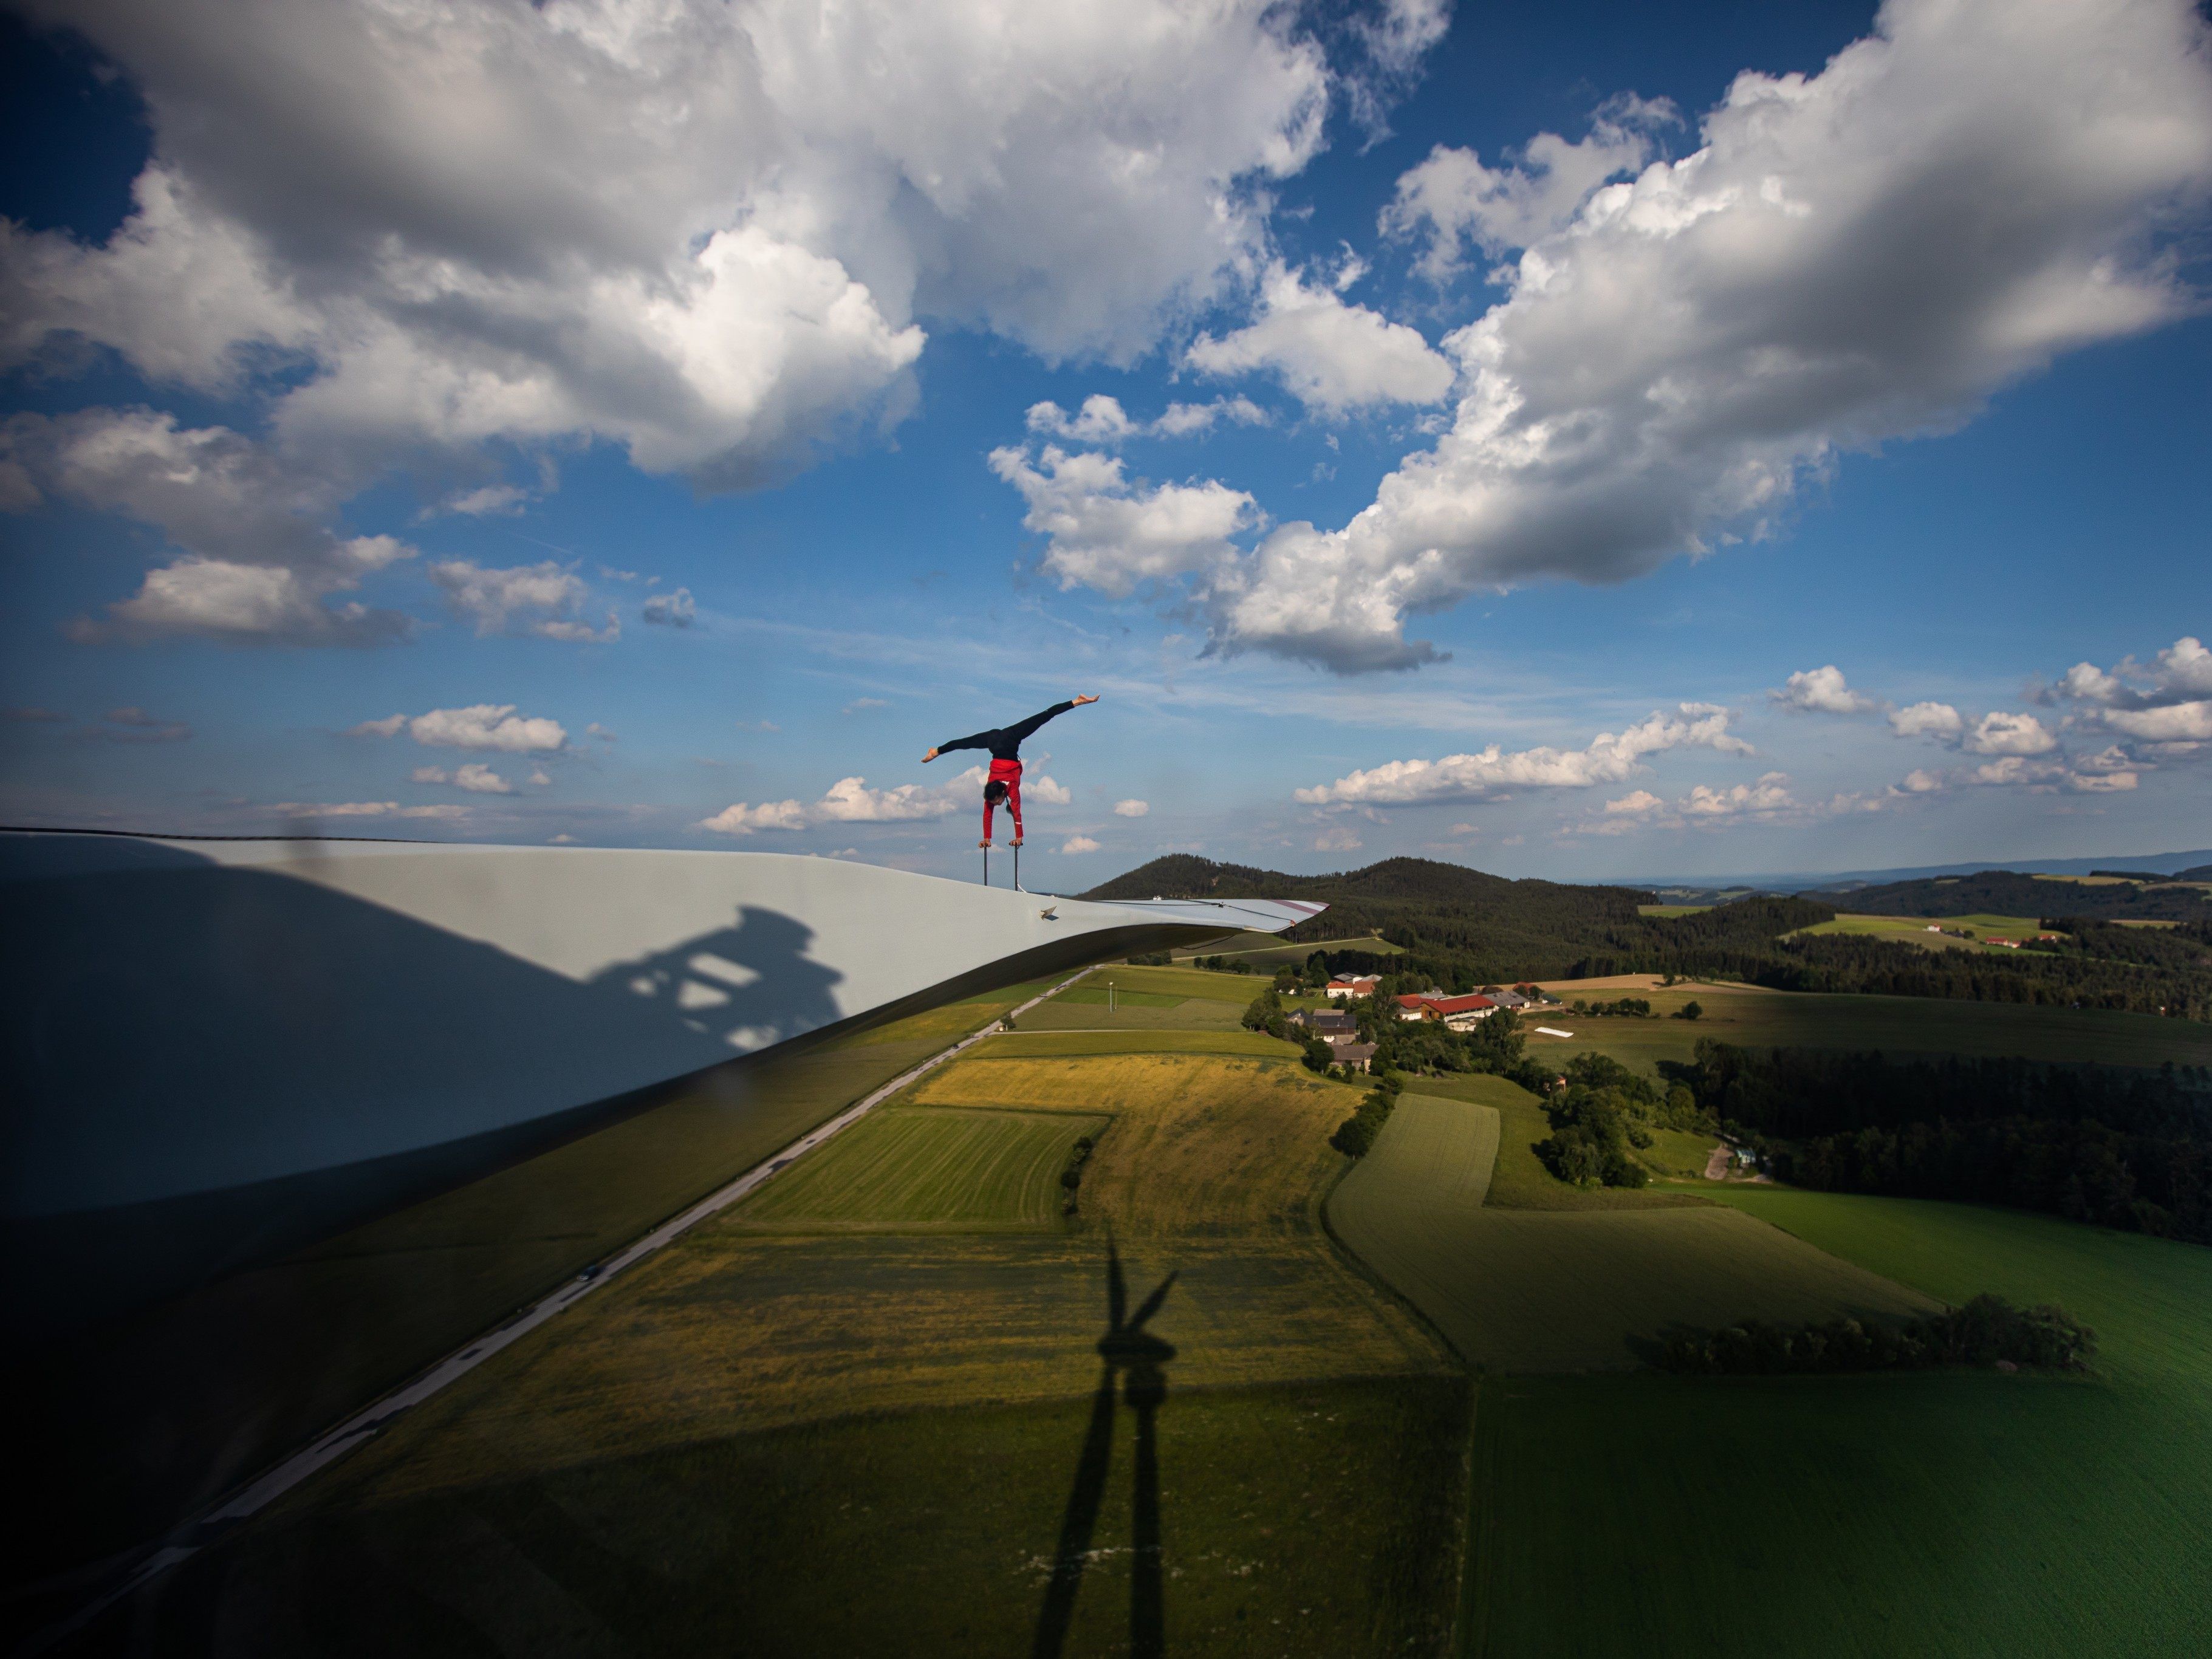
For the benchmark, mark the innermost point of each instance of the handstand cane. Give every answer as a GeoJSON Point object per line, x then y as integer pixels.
{"type": "Point", "coordinates": [987, 864]}
{"type": "Point", "coordinates": [1018, 866]}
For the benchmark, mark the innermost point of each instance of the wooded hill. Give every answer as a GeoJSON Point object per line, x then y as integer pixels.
{"type": "Point", "coordinates": [2007, 893]}
{"type": "Point", "coordinates": [1460, 928]}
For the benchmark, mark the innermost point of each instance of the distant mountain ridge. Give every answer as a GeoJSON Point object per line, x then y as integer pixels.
{"type": "Point", "coordinates": [2186, 864]}
{"type": "Point", "coordinates": [2011, 893]}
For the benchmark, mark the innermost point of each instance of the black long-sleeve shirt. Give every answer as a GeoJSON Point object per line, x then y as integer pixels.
{"type": "Point", "coordinates": [1005, 742]}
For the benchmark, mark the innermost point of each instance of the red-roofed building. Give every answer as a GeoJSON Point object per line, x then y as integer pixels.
{"type": "Point", "coordinates": [1461, 1013]}
{"type": "Point", "coordinates": [1341, 987]}
{"type": "Point", "coordinates": [1412, 1007]}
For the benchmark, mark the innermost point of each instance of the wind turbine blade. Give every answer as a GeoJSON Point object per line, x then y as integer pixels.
{"type": "Point", "coordinates": [1151, 1304]}
{"type": "Point", "coordinates": [1117, 1290]}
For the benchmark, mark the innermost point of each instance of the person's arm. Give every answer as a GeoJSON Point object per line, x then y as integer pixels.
{"type": "Point", "coordinates": [979, 740]}
{"type": "Point", "coordinates": [1030, 725]}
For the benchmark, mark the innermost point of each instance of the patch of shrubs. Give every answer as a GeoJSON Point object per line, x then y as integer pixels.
{"type": "Point", "coordinates": [1357, 1133]}
{"type": "Point", "coordinates": [1071, 1178]}
{"type": "Point", "coordinates": [1988, 1330]}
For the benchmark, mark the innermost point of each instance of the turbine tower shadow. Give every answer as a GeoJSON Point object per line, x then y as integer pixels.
{"type": "Point", "coordinates": [1126, 1352]}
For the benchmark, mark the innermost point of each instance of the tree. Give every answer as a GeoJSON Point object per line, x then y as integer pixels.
{"type": "Point", "coordinates": [1690, 1011]}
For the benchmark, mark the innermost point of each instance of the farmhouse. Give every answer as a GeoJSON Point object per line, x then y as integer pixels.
{"type": "Point", "coordinates": [1412, 1007]}
{"type": "Point", "coordinates": [1353, 987]}
{"type": "Point", "coordinates": [1355, 1056]}
{"type": "Point", "coordinates": [1324, 1022]}
{"type": "Point", "coordinates": [1461, 1014]}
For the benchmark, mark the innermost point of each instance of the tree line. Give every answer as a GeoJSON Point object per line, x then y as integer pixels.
{"type": "Point", "coordinates": [1988, 1330]}
{"type": "Point", "coordinates": [2124, 1149]}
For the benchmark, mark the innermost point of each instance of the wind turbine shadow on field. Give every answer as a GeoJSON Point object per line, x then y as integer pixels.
{"type": "Point", "coordinates": [1128, 1352]}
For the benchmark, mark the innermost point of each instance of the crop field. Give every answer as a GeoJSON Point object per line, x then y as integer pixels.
{"type": "Point", "coordinates": [1914, 930]}
{"type": "Point", "coordinates": [1668, 912]}
{"type": "Point", "coordinates": [257, 1381]}
{"type": "Point", "coordinates": [876, 1374]}
{"type": "Point", "coordinates": [1031, 1044]}
{"type": "Point", "coordinates": [1550, 1290]}
{"type": "Point", "coordinates": [1267, 953]}
{"type": "Point", "coordinates": [898, 1170]}
{"type": "Point", "coordinates": [1901, 1025]}
{"type": "Point", "coordinates": [1948, 1514]}
{"type": "Point", "coordinates": [1148, 1000]}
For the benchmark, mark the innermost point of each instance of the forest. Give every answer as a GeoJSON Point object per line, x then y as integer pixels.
{"type": "Point", "coordinates": [2124, 1149]}
{"type": "Point", "coordinates": [1460, 929]}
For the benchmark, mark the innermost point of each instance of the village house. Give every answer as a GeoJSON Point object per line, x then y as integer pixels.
{"type": "Point", "coordinates": [1355, 1056]}
{"type": "Point", "coordinates": [1509, 998]}
{"type": "Point", "coordinates": [1341, 987]}
{"type": "Point", "coordinates": [1461, 1014]}
{"type": "Point", "coordinates": [1412, 1007]}
{"type": "Point", "coordinates": [1326, 1022]}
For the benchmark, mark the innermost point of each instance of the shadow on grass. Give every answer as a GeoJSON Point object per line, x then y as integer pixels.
{"type": "Point", "coordinates": [1139, 1359]}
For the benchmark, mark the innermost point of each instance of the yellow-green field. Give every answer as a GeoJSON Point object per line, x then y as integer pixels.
{"type": "Point", "coordinates": [1267, 953]}
{"type": "Point", "coordinates": [1914, 930]}
{"type": "Point", "coordinates": [845, 1418]}
{"type": "Point", "coordinates": [1900, 1025]}
{"type": "Point", "coordinates": [1667, 912]}
{"type": "Point", "coordinates": [1520, 1290]}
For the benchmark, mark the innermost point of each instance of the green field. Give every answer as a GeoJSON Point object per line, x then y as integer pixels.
{"type": "Point", "coordinates": [898, 1170]}
{"type": "Point", "coordinates": [848, 1417]}
{"type": "Point", "coordinates": [1913, 929]}
{"type": "Point", "coordinates": [1667, 912]}
{"type": "Point", "coordinates": [1028, 1043]}
{"type": "Point", "coordinates": [1266, 951]}
{"type": "Point", "coordinates": [1521, 1181]}
{"type": "Point", "coordinates": [1559, 1290]}
{"type": "Point", "coordinates": [1900, 1025]}
{"type": "Point", "coordinates": [1964, 1513]}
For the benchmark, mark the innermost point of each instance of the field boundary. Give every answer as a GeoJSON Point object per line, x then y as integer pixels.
{"type": "Point", "coordinates": [211, 1524]}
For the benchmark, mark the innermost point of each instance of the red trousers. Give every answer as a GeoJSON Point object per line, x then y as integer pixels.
{"type": "Point", "coordinates": [1009, 774]}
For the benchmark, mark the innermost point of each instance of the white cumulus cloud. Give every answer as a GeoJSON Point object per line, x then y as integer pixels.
{"type": "Point", "coordinates": [2001, 734]}
{"type": "Point", "coordinates": [1927, 720]}
{"type": "Point", "coordinates": [472, 775]}
{"type": "Point", "coordinates": [1078, 844]}
{"type": "Point", "coordinates": [1821, 691]}
{"type": "Point", "coordinates": [1111, 534]}
{"type": "Point", "coordinates": [1130, 809]}
{"type": "Point", "coordinates": [1609, 758]}
{"type": "Point", "coordinates": [479, 725]}
{"type": "Point", "coordinates": [1332, 356]}
{"type": "Point", "coordinates": [406, 208]}
{"type": "Point", "coordinates": [542, 599]}
{"type": "Point", "coordinates": [1849, 257]}
{"type": "Point", "coordinates": [677, 610]}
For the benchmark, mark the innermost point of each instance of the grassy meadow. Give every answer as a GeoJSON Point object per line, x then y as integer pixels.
{"type": "Point", "coordinates": [854, 1413]}
{"type": "Point", "coordinates": [1900, 1025]}
{"type": "Point", "coordinates": [1914, 930]}
{"type": "Point", "coordinates": [856, 1403]}
{"type": "Point", "coordinates": [1557, 1289]}
{"type": "Point", "coordinates": [1956, 1513]}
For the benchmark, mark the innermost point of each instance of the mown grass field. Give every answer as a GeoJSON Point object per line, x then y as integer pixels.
{"type": "Point", "coordinates": [1550, 1290]}
{"type": "Point", "coordinates": [846, 1417]}
{"type": "Point", "coordinates": [1901, 1025]}
{"type": "Point", "coordinates": [257, 1381]}
{"type": "Point", "coordinates": [898, 1170]}
{"type": "Point", "coordinates": [1520, 1181]}
{"type": "Point", "coordinates": [1964, 1513]}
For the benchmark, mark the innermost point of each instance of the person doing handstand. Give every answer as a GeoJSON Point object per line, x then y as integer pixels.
{"type": "Point", "coordinates": [1004, 743]}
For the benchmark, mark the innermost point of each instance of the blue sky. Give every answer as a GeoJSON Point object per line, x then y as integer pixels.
{"type": "Point", "coordinates": [646, 405]}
